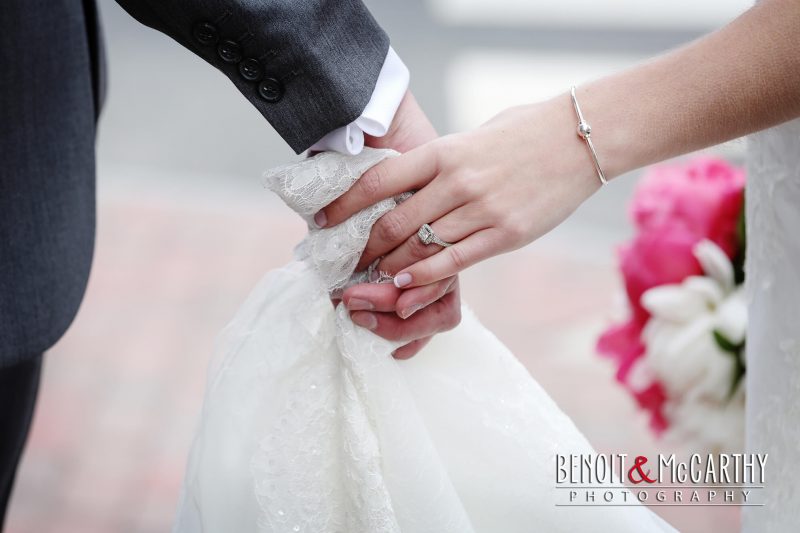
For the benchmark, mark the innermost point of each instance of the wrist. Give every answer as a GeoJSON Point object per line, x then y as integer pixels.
{"type": "Point", "coordinates": [573, 163]}
{"type": "Point", "coordinates": [620, 143]}
{"type": "Point", "coordinates": [409, 128]}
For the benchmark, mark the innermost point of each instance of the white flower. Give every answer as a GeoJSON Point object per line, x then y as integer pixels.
{"type": "Point", "coordinates": [732, 317]}
{"type": "Point", "coordinates": [706, 426]}
{"type": "Point", "coordinates": [683, 354]}
{"type": "Point", "coordinates": [715, 263]}
{"type": "Point", "coordinates": [686, 357]}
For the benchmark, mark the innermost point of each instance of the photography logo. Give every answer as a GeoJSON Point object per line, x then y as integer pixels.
{"type": "Point", "coordinates": [589, 480]}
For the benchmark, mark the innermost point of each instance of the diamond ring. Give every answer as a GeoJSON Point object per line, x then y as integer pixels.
{"type": "Point", "coordinates": [427, 236]}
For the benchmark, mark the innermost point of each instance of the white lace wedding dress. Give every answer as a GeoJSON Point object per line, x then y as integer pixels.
{"type": "Point", "coordinates": [773, 335]}
{"type": "Point", "coordinates": [310, 425]}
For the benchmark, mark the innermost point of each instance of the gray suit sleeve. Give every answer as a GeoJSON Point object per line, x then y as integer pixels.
{"type": "Point", "coordinates": [309, 66]}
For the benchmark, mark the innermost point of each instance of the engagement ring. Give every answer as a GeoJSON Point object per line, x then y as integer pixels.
{"type": "Point", "coordinates": [427, 236]}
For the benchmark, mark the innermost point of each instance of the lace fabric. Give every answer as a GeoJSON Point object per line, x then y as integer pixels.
{"type": "Point", "coordinates": [310, 425]}
{"type": "Point", "coordinates": [308, 186]}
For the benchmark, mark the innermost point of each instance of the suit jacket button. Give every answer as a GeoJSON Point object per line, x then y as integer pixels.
{"type": "Point", "coordinates": [270, 90]}
{"type": "Point", "coordinates": [250, 69]}
{"type": "Point", "coordinates": [205, 33]}
{"type": "Point", "coordinates": [229, 51]}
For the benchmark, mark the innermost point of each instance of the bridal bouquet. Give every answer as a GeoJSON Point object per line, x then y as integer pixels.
{"type": "Point", "coordinates": [681, 351]}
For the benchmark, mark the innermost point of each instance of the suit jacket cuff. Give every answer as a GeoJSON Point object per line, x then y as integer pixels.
{"type": "Point", "coordinates": [377, 116]}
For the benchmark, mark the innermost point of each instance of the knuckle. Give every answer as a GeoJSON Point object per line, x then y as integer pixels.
{"type": "Point", "coordinates": [493, 210]}
{"type": "Point", "coordinates": [391, 227]}
{"type": "Point", "coordinates": [514, 230]}
{"type": "Point", "coordinates": [458, 258]}
{"type": "Point", "coordinates": [443, 147]}
{"type": "Point", "coordinates": [467, 185]}
{"type": "Point", "coordinates": [371, 182]}
{"type": "Point", "coordinates": [446, 147]}
{"type": "Point", "coordinates": [416, 248]}
{"type": "Point", "coordinates": [336, 210]}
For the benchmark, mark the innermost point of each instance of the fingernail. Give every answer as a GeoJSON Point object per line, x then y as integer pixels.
{"type": "Point", "coordinates": [408, 311]}
{"type": "Point", "coordinates": [320, 219]}
{"type": "Point", "coordinates": [401, 280]}
{"type": "Point", "coordinates": [357, 304]}
{"type": "Point", "coordinates": [365, 320]}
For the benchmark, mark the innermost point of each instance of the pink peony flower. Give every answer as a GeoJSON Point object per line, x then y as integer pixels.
{"type": "Point", "coordinates": [623, 343]}
{"type": "Point", "coordinates": [704, 195]}
{"type": "Point", "coordinates": [663, 254]}
{"type": "Point", "coordinates": [652, 399]}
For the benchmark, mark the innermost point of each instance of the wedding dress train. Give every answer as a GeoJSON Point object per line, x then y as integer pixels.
{"type": "Point", "coordinates": [309, 424]}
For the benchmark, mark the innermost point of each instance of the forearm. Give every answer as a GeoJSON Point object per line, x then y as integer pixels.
{"type": "Point", "coordinates": [740, 79]}
{"type": "Point", "coordinates": [502, 185]}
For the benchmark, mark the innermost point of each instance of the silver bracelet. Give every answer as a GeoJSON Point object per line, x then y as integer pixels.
{"type": "Point", "coordinates": [585, 132]}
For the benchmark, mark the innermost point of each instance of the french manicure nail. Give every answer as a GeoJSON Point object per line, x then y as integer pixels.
{"type": "Point", "coordinates": [408, 311]}
{"type": "Point", "coordinates": [401, 280]}
{"type": "Point", "coordinates": [365, 319]}
{"type": "Point", "coordinates": [357, 304]}
{"type": "Point", "coordinates": [320, 219]}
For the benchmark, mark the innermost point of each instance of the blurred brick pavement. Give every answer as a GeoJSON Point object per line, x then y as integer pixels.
{"type": "Point", "coordinates": [122, 389]}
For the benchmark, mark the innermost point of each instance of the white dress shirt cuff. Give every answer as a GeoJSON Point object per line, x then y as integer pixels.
{"type": "Point", "coordinates": [377, 116]}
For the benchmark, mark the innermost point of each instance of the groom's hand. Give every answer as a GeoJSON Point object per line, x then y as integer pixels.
{"type": "Point", "coordinates": [409, 128]}
{"type": "Point", "coordinates": [412, 316]}
{"type": "Point", "coordinates": [408, 315]}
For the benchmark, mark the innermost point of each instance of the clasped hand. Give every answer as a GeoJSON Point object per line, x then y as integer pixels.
{"type": "Point", "coordinates": [488, 191]}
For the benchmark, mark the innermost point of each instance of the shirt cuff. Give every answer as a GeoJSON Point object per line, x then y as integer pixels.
{"type": "Point", "coordinates": [376, 118]}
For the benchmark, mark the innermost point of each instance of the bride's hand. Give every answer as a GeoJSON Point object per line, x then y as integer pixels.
{"type": "Point", "coordinates": [488, 191]}
{"type": "Point", "coordinates": [506, 183]}
{"type": "Point", "coordinates": [383, 308]}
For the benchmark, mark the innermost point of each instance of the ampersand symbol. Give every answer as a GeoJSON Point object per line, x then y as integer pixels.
{"type": "Point", "coordinates": [637, 465]}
